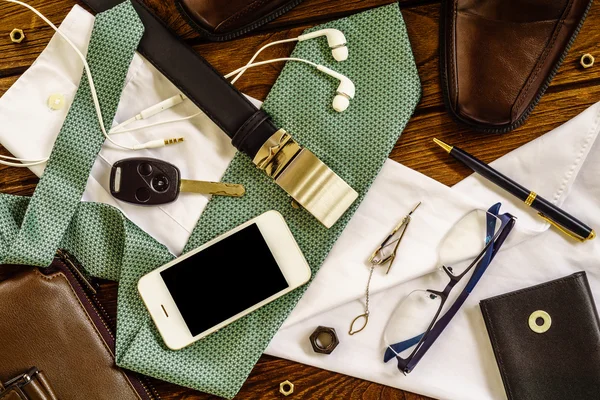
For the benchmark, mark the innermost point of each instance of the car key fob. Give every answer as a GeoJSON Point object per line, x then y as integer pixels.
{"type": "Point", "coordinates": [149, 181]}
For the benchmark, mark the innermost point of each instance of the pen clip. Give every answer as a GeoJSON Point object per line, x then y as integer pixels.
{"type": "Point", "coordinates": [565, 231]}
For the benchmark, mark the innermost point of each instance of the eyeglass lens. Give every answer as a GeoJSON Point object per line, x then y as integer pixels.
{"type": "Point", "coordinates": [410, 320]}
{"type": "Point", "coordinates": [466, 240]}
{"type": "Point", "coordinates": [412, 317]}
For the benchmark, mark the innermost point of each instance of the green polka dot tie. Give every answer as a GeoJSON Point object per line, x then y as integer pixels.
{"type": "Point", "coordinates": [59, 191]}
{"type": "Point", "coordinates": [354, 144]}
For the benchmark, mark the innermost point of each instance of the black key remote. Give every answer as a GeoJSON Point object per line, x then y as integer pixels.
{"type": "Point", "coordinates": [149, 181]}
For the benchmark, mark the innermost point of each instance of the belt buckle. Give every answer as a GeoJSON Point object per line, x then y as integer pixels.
{"type": "Point", "coordinates": [308, 180]}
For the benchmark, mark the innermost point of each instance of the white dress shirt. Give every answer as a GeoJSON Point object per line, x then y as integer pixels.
{"type": "Point", "coordinates": [563, 166]}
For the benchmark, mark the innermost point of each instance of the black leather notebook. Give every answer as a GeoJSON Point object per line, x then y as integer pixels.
{"type": "Point", "coordinates": [546, 339]}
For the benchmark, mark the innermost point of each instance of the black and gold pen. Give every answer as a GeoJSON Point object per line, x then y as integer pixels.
{"type": "Point", "coordinates": [560, 219]}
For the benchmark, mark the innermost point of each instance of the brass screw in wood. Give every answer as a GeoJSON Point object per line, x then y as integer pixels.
{"type": "Point", "coordinates": [17, 35]}
{"type": "Point", "coordinates": [587, 60]}
{"type": "Point", "coordinates": [286, 388]}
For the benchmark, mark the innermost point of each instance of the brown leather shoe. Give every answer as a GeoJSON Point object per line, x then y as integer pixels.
{"type": "Point", "coordinates": [219, 20]}
{"type": "Point", "coordinates": [499, 56]}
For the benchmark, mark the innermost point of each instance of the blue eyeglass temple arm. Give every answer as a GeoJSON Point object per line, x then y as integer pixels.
{"type": "Point", "coordinates": [508, 221]}
{"type": "Point", "coordinates": [440, 325]}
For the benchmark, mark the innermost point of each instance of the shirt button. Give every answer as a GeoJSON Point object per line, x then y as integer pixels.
{"type": "Point", "coordinates": [56, 101]}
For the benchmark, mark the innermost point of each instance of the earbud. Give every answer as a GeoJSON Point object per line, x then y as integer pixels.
{"type": "Point", "coordinates": [335, 39]}
{"type": "Point", "coordinates": [345, 91]}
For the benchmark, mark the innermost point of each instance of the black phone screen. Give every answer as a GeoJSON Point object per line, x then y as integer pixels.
{"type": "Point", "coordinates": [224, 279]}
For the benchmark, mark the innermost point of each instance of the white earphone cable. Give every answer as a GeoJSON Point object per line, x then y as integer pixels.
{"type": "Point", "coordinates": [170, 121]}
{"type": "Point", "coordinates": [151, 111]}
{"type": "Point", "coordinates": [151, 144]}
{"type": "Point", "coordinates": [23, 163]}
{"type": "Point", "coordinates": [258, 64]}
{"type": "Point", "coordinates": [239, 75]}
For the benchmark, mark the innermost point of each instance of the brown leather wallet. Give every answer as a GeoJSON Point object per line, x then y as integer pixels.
{"type": "Point", "coordinates": [30, 385]}
{"type": "Point", "coordinates": [499, 56]}
{"type": "Point", "coordinates": [50, 319]}
{"type": "Point", "coordinates": [219, 20]}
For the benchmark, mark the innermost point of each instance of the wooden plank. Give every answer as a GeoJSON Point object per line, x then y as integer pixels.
{"type": "Point", "coordinates": [422, 23]}
{"type": "Point", "coordinates": [309, 383]}
{"type": "Point", "coordinates": [309, 11]}
{"type": "Point", "coordinates": [17, 181]}
{"type": "Point", "coordinates": [17, 57]}
{"type": "Point", "coordinates": [227, 56]}
{"type": "Point", "coordinates": [587, 41]}
{"type": "Point", "coordinates": [570, 93]}
{"type": "Point", "coordinates": [6, 83]}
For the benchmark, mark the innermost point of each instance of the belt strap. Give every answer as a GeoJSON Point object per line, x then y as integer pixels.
{"type": "Point", "coordinates": [115, 37]}
{"type": "Point", "coordinates": [244, 138]}
{"type": "Point", "coordinates": [196, 78]}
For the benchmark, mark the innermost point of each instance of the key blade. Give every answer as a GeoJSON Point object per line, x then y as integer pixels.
{"type": "Point", "coordinates": [214, 188]}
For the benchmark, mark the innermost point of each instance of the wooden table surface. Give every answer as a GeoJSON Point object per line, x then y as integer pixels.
{"type": "Point", "coordinates": [572, 90]}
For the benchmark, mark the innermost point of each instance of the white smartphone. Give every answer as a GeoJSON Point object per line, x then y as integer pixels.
{"type": "Point", "coordinates": [223, 280]}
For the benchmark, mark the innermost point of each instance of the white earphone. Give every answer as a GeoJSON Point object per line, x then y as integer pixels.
{"type": "Point", "coordinates": [335, 39]}
{"type": "Point", "coordinates": [344, 93]}
{"type": "Point", "coordinates": [148, 145]}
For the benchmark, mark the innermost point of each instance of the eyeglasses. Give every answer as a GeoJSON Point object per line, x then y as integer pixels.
{"type": "Point", "coordinates": [466, 250]}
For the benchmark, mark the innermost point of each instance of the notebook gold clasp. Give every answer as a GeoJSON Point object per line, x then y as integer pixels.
{"type": "Point", "coordinates": [309, 181]}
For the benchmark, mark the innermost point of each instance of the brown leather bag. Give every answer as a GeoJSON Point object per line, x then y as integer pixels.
{"type": "Point", "coordinates": [50, 319]}
{"type": "Point", "coordinates": [219, 20]}
{"type": "Point", "coordinates": [499, 56]}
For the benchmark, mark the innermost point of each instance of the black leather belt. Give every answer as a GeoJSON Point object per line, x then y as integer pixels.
{"type": "Point", "coordinates": [297, 170]}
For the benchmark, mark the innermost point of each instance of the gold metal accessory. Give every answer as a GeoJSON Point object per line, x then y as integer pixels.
{"type": "Point", "coordinates": [567, 232]}
{"type": "Point", "coordinates": [286, 388]}
{"type": "Point", "coordinates": [173, 141]}
{"type": "Point", "coordinates": [544, 317]}
{"type": "Point", "coordinates": [443, 145]}
{"type": "Point", "coordinates": [587, 60]}
{"type": "Point", "coordinates": [214, 188]}
{"type": "Point", "coordinates": [324, 340]}
{"type": "Point", "coordinates": [311, 183]}
{"type": "Point", "coordinates": [364, 316]}
{"type": "Point", "coordinates": [529, 200]}
{"type": "Point", "coordinates": [17, 35]}
{"type": "Point", "coordinates": [379, 257]}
